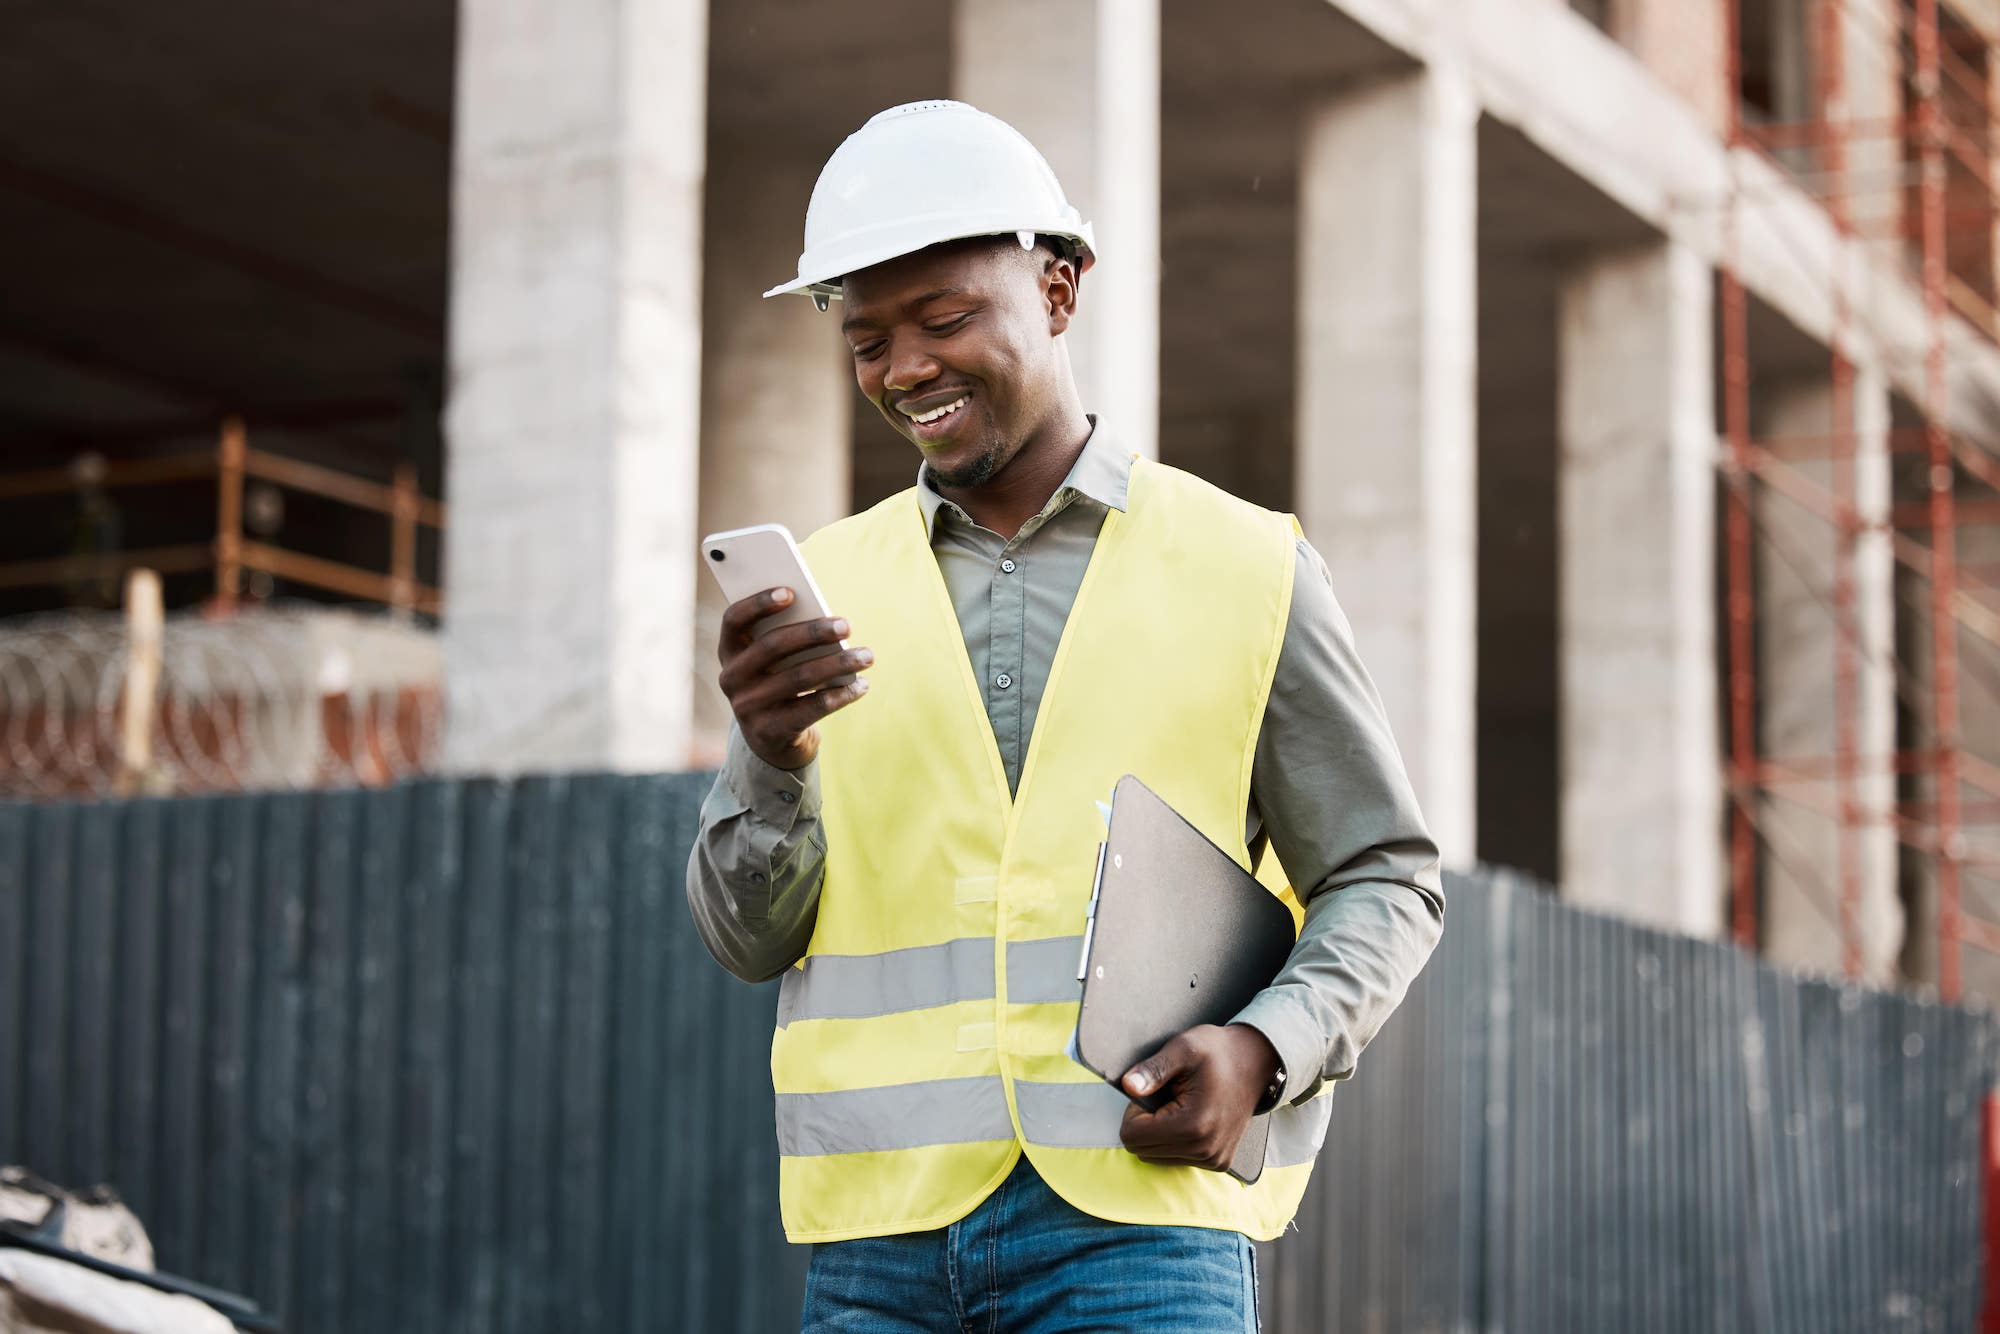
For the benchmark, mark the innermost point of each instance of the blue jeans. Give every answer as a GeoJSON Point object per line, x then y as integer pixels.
{"type": "Point", "coordinates": [1025, 1260]}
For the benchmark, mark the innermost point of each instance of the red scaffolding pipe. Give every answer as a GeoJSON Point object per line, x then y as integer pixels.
{"type": "Point", "coordinates": [1948, 159]}
{"type": "Point", "coordinates": [1932, 137]}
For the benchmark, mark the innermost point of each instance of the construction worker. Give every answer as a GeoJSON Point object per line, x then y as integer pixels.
{"type": "Point", "coordinates": [912, 850]}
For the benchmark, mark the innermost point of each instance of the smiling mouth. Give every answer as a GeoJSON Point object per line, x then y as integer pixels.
{"type": "Point", "coordinates": [939, 414]}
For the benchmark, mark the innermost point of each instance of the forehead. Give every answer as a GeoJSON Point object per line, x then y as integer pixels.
{"type": "Point", "coordinates": [980, 266]}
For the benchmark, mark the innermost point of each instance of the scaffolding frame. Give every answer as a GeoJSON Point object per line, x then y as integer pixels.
{"type": "Point", "coordinates": [1930, 140]}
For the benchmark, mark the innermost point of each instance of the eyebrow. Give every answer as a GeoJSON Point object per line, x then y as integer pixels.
{"type": "Point", "coordinates": [935, 294]}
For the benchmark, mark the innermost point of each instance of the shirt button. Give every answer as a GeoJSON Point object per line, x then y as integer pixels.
{"type": "Point", "coordinates": [1007, 567]}
{"type": "Point", "coordinates": [756, 877]}
{"type": "Point", "coordinates": [788, 797]}
{"type": "Point", "coordinates": [1003, 680]}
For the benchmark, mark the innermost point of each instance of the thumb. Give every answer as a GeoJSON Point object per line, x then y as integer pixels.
{"type": "Point", "coordinates": [1157, 1070]}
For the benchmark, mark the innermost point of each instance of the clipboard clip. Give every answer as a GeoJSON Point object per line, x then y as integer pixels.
{"type": "Point", "coordinates": [1090, 913]}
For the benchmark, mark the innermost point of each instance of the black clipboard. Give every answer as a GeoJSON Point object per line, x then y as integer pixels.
{"type": "Point", "coordinates": [1178, 935]}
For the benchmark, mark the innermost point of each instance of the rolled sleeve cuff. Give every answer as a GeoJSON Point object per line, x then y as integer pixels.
{"type": "Point", "coordinates": [776, 797]}
{"type": "Point", "coordinates": [1291, 1031]}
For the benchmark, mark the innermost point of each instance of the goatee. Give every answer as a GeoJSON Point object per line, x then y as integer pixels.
{"type": "Point", "coordinates": [976, 473]}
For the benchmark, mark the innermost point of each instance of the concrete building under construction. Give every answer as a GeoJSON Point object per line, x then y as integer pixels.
{"type": "Point", "coordinates": [1633, 364]}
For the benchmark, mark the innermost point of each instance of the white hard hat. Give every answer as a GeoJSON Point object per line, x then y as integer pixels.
{"type": "Point", "coordinates": [922, 173]}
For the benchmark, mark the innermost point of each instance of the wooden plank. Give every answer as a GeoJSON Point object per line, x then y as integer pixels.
{"type": "Point", "coordinates": [145, 634]}
{"type": "Point", "coordinates": [331, 484]}
{"type": "Point", "coordinates": [94, 986]}
{"type": "Point", "coordinates": [117, 472]}
{"type": "Point", "coordinates": [175, 1224]}
{"type": "Point", "coordinates": [325, 1147]}
{"type": "Point", "coordinates": [334, 576]}
{"type": "Point", "coordinates": [227, 1228]}
{"type": "Point", "coordinates": [377, 1196]}
{"type": "Point", "coordinates": [535, 1024]}
{"type": "Point", "coordinates": [480, 1059]}
{"type": "Point", "coordinates": [277, 1097]}
{"type": "Point", "coordinates": [429, 1041]}
{"type": "Point", "coordinates": [68, 569]}
{"type": "Point", "coordinates": [46, 1013]}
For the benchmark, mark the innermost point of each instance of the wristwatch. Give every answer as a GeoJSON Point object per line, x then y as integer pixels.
{"type": "Point", "coordinates": [1273, 1092]}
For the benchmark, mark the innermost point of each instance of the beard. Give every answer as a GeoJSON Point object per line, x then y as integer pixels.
{"type": "Point", "coordinates": [975, 472]}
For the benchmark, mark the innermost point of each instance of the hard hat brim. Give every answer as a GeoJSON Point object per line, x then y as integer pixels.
{"type": "Point", "coordinates": [828, 284]}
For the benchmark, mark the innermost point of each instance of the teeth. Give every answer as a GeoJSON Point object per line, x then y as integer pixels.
{"type": "Point", "coordinates": [944, 411]}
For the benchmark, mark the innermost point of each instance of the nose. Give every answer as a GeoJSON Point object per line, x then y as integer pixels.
{"type": "Point", "coordinates": [909, 366]}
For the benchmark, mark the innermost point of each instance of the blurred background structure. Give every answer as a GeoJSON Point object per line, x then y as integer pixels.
{"type": "Point", "coordinates": [1634, 363]}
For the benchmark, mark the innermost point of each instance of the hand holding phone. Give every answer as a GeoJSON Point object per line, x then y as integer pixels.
{"type": "Point", "coordinates": [785, 660]}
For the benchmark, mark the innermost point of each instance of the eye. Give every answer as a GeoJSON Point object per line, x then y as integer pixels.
{"type": "Point", "coordinates": [949, 324]}
{"type": "Point", "coordinates": [869, 350]}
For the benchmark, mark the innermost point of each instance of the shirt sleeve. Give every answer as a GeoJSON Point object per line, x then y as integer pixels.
{"type": "Point", "coordinates": [759, 857]}
{"type": "Point", "coordinates": [1330, 789]}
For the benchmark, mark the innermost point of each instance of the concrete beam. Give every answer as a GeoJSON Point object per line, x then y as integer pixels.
{"type": "Point", "coordinates": [1646, 149]}
{"type": "Point", "coordinates": [1805, 852]}
{"type": "Point", "coordinates": [1681, 45]}
{"type": "Point", "coordinates": [575, 391]}
{"type": "Point", "coordinates": [1089, 98]}
{"type": "Point", "coordinates": [1641, 754]}
{"type": "Point", "coordinates": [1386, 467]}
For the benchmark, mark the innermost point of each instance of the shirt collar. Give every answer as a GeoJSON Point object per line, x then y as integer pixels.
{"type": "Point", "coordinates": [1102, 472]}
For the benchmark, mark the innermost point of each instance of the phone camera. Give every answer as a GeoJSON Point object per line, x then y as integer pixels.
{"type": "Point", "coordinates": [716, 553]}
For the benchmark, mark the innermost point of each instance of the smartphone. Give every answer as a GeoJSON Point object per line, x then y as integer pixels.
{"type": "Point", "coordinates": [746, 561]}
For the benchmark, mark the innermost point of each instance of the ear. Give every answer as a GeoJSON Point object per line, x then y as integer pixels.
{"type": "Point", "coordinates": [1061, 279]}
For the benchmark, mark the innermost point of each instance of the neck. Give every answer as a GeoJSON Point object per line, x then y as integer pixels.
{"type": "Point", "coordinates": [1025, 482]}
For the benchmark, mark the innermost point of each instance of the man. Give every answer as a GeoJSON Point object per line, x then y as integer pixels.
{"type": "Point", "coordinates": [912, 850]}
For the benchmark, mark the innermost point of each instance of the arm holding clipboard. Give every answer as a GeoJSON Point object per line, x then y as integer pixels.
{"type": "Point", "coordinates": [1179, 937]}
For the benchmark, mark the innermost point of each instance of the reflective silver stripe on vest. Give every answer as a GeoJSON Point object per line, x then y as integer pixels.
{"type": "Point", "coordinates": [864, 986]}
{"type": "Point", "coordinates": [900, 1116]}
{"type": "Point", "coordinates": [1297, 1131]}
{"type": "Point", "coordinates": [1087, 1116]}
{"type": "Point", "coordinates": [1070, 1116]}
{"type": "Point", "coordinates": [1044, 971]}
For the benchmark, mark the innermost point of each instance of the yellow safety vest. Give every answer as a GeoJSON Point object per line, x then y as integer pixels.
{"type": "Point", "coordinates": [921, 1042]}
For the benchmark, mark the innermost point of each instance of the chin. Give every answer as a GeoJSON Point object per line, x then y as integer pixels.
{"type": "Point", "coordinates": [964, 465]}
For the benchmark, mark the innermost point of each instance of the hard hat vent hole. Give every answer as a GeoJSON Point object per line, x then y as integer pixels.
{"type": "Point", "coordinates": [914, 108]}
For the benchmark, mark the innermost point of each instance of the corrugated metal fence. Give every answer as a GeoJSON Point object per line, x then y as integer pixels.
{"type": "Point", "coordinates": [448, 1057]}
{"type": "Point", "coordinates": [1577, 1125]}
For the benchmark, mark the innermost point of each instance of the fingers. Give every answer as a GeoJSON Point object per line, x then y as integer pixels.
{"type": "Point", "coordinates": [1157, 1071]}
{"type": "Point", "coordinates": [745, 664]}
{"type": "Point", "coordinates": [776, 689]}
{"type": "Point", "coordinates": [785, 721]}
{"type": "Point", "coordinates": [1186, 1124]}
{"type": "Point", "coordinates": [738, 618]}
{"type": "Point", "coordinates": [1181, 1134]}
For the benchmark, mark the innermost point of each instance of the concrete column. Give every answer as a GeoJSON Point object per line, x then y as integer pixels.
{"type": "Point", "coordinates": [1797, 700]}
{"type": "Point", "coordinates": [1641, 747]}
{"type": "Point", "coordinates": [1387, 480]}
{"type": "Point", "coordinates": [1081, 78]}
{"type": "Point", "coordinates": [776, 382]}
{"type": "Point", "coordinates": [575, 387]}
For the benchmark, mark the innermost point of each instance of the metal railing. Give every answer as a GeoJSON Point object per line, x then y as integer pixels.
{"type": "Point", "coordinates": [232, 554]}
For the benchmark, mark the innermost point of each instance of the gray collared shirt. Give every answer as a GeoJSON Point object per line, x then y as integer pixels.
{"type": "Point", "coordinates": [1327, 786]}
